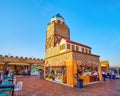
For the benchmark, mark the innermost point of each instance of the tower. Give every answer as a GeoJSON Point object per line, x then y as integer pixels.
{"type": "Point", "coordinates": [56, 30]}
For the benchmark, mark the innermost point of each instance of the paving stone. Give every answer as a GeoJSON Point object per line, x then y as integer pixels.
{"type": "Point", "coordinates": [33, 86]}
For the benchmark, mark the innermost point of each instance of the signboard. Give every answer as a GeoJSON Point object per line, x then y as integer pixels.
{"type": "Point", "coordinates": [35, 70]}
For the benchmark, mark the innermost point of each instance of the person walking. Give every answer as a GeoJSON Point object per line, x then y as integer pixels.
{"type": "Point", "coordinates": [110, 75]}
{"type": "Point", "coordinates": [104, 75]}
{"type": "Point", "coordinates": [119, 73]}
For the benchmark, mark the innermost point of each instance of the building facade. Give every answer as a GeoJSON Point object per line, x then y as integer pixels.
{"type": "Point", "coordinates": [64, 57]}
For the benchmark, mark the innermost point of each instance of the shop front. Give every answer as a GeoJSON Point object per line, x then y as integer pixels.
{"type": "Point", "coordinates": [87, 66]}
{"type": "Point", "coordinates": [88, 71]}
{"type": "Point", "coordinates": [19, 68]}
{"type": "Point", "coordinates": [56, 72]}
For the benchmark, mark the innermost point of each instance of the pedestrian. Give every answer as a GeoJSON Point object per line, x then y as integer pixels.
{"type": "Point", "coordinates": [2, 75]}
{"type": "Point", "coordinates": [109, 75]}
{"type": "Point", "coordinates": [53, 74]}
{"type": "Point", "coordinates": [119, 73]}
{"type": "Point", "coordinates": [113, 74]}
{"type": "Point", "coordinates": [104, 75]}
{"type": "Point", "coordinates": [41, 73]}
{"type": "Point", "coordinates": [7, 72]}
{"type": "Point", "coordinates": [29, 72]}
{"type": "Point", "coordinates": [26, 72]}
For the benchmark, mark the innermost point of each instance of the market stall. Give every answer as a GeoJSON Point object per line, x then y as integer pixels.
{"type": "Point", "coordinates": [88, 71]}
{"type": "Point", "coordinates": [56, 72]}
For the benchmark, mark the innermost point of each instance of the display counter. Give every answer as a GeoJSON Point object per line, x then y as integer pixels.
{"type": "Point", "coordinates": [57, 78]}
{"type": "Point", "coordinates": [88, 79]}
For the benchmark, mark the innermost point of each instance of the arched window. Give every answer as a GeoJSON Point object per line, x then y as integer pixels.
{"type": "Point", "coordinates": [58, 21]}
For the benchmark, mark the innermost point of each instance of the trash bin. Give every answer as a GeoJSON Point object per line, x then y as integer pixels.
{"type": "Point", "coordinates": [80, 83]}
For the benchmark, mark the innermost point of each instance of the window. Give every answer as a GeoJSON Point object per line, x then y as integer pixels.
{"type": "Point", "coordinates": [73, 47]}
{"type": "Point", "coordinates": [68, 46]}
{"type": "Point", "coordinates": [58, 21]}
{"type": "Point", "coordinates": [82, 49]}
{"type": "Point", "coordinates": [77, 48]}
{"type": "Point", "coordinates": [62, 46]}
{"type": "Point", "coordinates": [89, 51]}
{"type": "Point", "coordinates": [86, 50]}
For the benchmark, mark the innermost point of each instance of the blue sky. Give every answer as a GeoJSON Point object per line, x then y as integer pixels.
{"type": "Point", "coordinates": [95, 23]}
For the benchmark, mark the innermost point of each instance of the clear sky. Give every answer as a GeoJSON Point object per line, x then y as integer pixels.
{"type": "Point", "coordinates": [95, 23]}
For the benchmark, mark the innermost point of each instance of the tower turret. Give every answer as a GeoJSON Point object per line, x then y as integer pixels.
{"type": "Point", "coordinates": [56, 30]}
{"type": "Point", "coordinates": [56, 18]}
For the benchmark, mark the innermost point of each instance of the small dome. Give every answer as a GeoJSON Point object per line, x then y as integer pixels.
{"type": "Point", "coordinates": [57, 17]}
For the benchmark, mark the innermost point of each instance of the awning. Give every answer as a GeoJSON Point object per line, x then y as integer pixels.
{"type": "Point", "coordinates": [18, 64]}
{"type": "Point", "coordinates": [38, 64]}
{"type": "Point", "coordinates": [2, 63]}
{"type": "Point", "coordinates": [56, 64]}
{"type": "Point", "coordinates": [103, 65]}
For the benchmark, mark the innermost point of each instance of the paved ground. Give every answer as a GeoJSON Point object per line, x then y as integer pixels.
{"type": "Point", "coordinates": [33, 86]}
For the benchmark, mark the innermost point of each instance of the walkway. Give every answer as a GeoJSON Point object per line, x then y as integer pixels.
{"type": "Point", "coordinates": [33, 86]}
